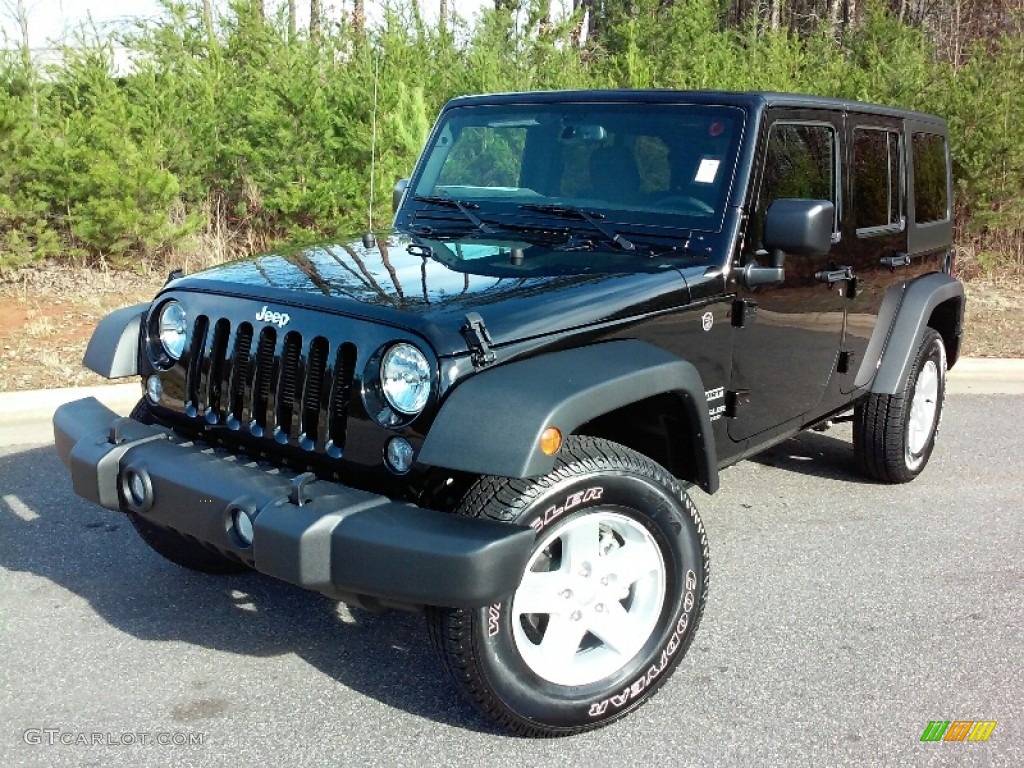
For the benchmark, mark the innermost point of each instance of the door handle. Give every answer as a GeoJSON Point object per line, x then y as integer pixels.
{"type": "Point", "coordinates": [832, 276]}
{"type": "Point", "coordinates": [894, 260]}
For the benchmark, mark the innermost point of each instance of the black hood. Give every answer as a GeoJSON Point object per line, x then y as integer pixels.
{"type": "Point", "coordinates": [429, 290]}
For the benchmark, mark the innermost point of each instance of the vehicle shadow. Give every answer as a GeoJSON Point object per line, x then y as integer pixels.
{"type": "Point", "coordinates": [816, 454]}
{"type": "Point", "coordinates": [48, 531]}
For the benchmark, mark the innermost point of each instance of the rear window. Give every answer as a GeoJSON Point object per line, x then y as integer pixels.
{"type": "Point", "coordinates": [931, 202]}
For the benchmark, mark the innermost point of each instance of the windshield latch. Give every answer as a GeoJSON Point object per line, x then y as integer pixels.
{"type": "Point", "coordinates": [478, 340]}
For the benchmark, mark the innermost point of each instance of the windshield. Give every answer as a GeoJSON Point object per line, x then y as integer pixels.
{"type": "Point", "coordinates": [631, 165]}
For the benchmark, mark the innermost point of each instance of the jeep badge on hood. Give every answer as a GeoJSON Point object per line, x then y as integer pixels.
{"type": "Point", "coordinates": [280, 319]}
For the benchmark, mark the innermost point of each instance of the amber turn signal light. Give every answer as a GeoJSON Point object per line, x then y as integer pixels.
{"type": "Point", "coordinates": [550, 441]}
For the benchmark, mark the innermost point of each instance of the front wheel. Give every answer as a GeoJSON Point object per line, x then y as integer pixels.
{"type": "Point", "coordinates": [608, 603]}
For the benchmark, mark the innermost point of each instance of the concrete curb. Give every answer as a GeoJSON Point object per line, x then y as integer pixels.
{"type": "Point", "coordinates": [971, 375]}
{"type": "Point", "coordinates": [36, 404]}
{"type": "Point", "coordinates": [986, 376]}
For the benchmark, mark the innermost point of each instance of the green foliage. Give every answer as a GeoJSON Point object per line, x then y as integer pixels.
{"type": "Point", "coordinates": [263, 136]}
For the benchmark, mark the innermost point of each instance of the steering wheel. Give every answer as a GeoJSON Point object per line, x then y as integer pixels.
{"type": "Point", "coordinates": [692, 202]}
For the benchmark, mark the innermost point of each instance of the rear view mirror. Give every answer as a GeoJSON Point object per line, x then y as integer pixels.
{"type": "Point", "coordinates": [799, 227]}
{"type": "Point", "coordinates": [584, 132]}
{"type": "Point", "coordinates": [398, 193]}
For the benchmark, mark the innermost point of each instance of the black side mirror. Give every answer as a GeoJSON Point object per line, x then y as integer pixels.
{"type": "Point", "coordinates": [398, 193]}
{"type": "Point", "coordinates": [799, 227]}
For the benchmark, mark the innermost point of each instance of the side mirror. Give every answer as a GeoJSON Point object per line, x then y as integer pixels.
{"type": "Point", "coordinates": [398, 193]}
{"type": "Point", "coordinates": [791, 226]}
{"type": "Point", "coordinates": [799, 227]}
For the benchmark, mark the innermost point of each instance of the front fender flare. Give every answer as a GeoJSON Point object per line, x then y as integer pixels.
{"type": "Point", "coordinates": [492, 422]}
{"type": "Point", "coordinates": [113, 350]}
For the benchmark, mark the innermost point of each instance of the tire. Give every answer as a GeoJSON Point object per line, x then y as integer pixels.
{"type": "Point", "coordinates": [172, 545]}
{"type": "Point", "coordinates": [893, 435]}
{"type": "Point", "coordinates": [583, 641]}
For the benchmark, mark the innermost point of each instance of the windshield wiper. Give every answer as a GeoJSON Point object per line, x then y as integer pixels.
{"type": "Point", "coordinates": [593, 219]}
{"type": "Point", "coordinates": [466, 209]}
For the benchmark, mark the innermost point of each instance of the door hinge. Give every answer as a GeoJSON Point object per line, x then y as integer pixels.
{"type": "Point", "coordinates": [743, 312]}
{"type": "Point", "coordinates": [478, 340]}
{"type": "Point", "coordinates": [834, 274]}
{"type": "Point", "coordinates": [896, 260]}
{"type": "Point", "coordinates": [734, 398]}
{"type": "Point", "coordinates": [846, 360]}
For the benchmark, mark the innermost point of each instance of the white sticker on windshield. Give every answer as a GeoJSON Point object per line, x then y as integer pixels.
{"type": "Point", "coordinates": [707, 171]}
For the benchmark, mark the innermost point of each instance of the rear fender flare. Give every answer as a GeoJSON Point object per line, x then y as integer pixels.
{"type": "Point", "coordinates": [919, 301]}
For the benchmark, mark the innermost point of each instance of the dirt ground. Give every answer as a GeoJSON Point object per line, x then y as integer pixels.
{"type": "Point", "coordinates": [47, 315]}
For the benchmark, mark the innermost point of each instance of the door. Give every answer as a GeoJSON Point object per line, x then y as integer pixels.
{"type": "Point", "coordinates": [876, 227]}
{"type": "Point", "coordinates": [785, 352]}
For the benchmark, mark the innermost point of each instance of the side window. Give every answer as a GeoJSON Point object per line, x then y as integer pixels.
{"type": "Point", "coordinates": [931, 202]}
{"type": "Point", "coordinates": [800, 162]}
{"type": "Point", "coordinates": [877, 180]}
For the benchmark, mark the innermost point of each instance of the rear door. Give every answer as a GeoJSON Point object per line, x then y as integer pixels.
{"type": "Point", "coordinates": [875, 227]}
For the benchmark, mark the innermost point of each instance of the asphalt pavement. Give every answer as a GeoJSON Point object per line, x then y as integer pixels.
{"type": "Point", "coordinates": [843, 617]}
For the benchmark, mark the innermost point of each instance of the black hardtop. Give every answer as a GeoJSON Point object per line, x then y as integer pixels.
{"type": "Point", "coordinates": [753, 101]}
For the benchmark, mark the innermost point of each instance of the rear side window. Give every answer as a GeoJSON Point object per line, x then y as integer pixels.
{"type": "Point", "coordinates": [877, 180]}
{"type": "Point", "coordinates": [931, 202]}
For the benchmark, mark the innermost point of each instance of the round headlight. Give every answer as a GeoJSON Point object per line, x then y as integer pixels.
{"type": "Point", "coordinates": [405, 378]}
{"type": "Point", "coordinates": [171, 328]}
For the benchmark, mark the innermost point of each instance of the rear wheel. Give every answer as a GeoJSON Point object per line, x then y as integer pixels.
{"type": "Point", "coordinates": [893, 435]}
{"type": "Point", "coordinates": [608, 603]}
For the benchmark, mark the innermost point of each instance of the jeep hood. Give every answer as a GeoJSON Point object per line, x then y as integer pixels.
{"type": "Point", "coordinates": [429, 291]}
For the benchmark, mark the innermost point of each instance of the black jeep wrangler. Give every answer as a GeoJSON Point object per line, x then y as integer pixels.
{"type": "Point", "coordinates": [588, 303]}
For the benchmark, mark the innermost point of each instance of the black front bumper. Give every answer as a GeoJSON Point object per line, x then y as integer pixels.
{"type": "Point", "coordinates": [319, 535]}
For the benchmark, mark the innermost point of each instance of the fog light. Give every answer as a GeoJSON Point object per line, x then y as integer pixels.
{"type": "Point", "coordinates": [241, 523]}
{"type": "Point", "coordinates": [154, 389]}
{"type": "Point", "coordinates": [399, 455]}
{"type": "Point", "coordinates": [136, 488]}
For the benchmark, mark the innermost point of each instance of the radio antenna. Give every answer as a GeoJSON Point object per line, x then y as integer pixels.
{"type": "Point", "coordinates": [368, 239]}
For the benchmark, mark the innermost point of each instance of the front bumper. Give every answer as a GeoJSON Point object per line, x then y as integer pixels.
{"type": "Point", "coordinates": [316, 534]}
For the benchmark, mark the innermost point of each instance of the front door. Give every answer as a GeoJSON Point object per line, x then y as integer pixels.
{"type": "Point", "coordinates": [786, 350]}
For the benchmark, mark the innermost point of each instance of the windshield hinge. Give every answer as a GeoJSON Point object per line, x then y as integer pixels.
{"type": "Point", "coordinates": [478, 340]}
{"type": "Point", "coordinates": [743, 312]}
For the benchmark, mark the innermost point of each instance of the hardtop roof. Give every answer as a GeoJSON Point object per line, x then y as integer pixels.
{"type": "Point", "coordinates": [754, 101]}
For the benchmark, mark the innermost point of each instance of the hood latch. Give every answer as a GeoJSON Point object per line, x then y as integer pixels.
{"type": "Point", "coordinates": [478, 340]}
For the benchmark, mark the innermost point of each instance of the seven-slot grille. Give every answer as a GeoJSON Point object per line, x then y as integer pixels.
{"type": "Point", "coordinates": [271, 384]}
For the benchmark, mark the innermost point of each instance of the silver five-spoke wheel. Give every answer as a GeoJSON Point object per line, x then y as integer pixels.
{"type": "Point", "coordinates": [590, 598]}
